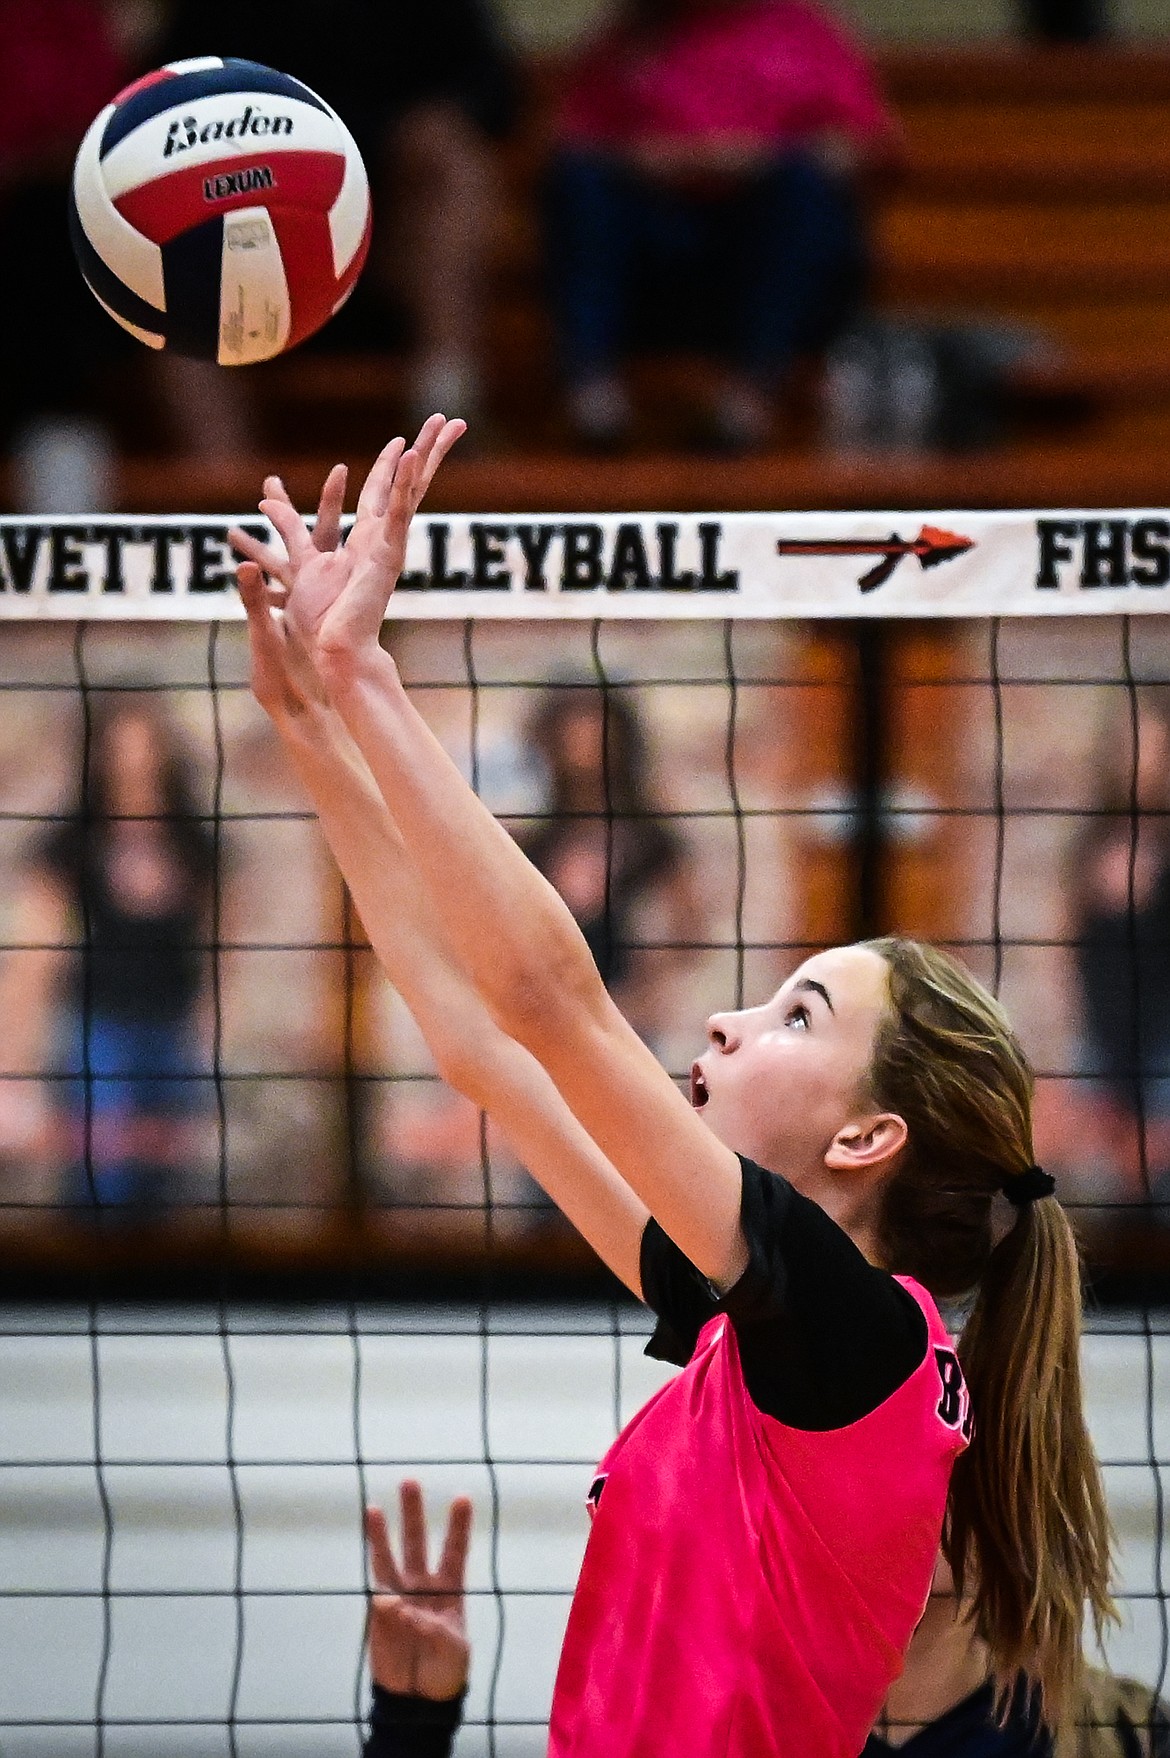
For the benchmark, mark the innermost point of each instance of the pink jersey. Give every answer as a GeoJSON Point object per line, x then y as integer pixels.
{"type": "Point", "coordinates": [749, 1589]}
{"type": "Point", "coordinates": [775, 71]}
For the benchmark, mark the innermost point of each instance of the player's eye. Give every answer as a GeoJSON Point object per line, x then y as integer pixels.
{"type": "Point", "coordinates": [797, 1018]}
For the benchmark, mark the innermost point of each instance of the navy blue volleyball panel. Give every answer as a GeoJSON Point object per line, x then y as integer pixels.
{"type": "Point", "coordinates": [104, 282]}
{"type": "Point", "coordinates": [248, 78]}
{"type": "Point", "coordinates": [192, 266]}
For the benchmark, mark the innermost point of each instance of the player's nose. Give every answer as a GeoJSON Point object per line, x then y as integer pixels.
{"type": "Point", "coordinates": [724, 1032]}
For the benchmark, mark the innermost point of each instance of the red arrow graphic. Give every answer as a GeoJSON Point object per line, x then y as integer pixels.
{"type": "Point", "coordinates": [931, 546]}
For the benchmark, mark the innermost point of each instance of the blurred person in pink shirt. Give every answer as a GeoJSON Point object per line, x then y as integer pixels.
{"type": "Point", "coordinates": [706, 188]}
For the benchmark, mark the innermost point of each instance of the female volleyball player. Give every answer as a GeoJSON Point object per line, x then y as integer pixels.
{"type": "Point", "coordinates": [765, 1530]}
{"type": "Point", "coordinates": [943, 1706]}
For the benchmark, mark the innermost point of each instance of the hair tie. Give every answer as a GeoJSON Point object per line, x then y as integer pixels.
{"type": "Point", "coordinates": [1027, 1187]}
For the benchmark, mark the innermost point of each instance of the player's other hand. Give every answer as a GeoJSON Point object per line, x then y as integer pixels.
{"type": "Point", "coordinates": [417, 1629]}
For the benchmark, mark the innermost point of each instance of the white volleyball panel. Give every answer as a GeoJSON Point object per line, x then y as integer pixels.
{"type": "Point", "coordinates": [254, 309]}
{"type": "Point", "coordinates": [147, 336]}
{"type": "Point", "coordinates": [126, 253]}
{"type": "Point", "coordinates": [196, 64]}
{"type": "Point", "coordinates": [350, 213]}
{"type": "Point", "coordinates": [222, 126]}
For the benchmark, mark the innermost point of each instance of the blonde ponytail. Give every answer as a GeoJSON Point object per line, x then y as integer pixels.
{"type": "Point", "coordinates": [1027, 1534]}
{"type": "Point", "coordinates": [1027, 1527]}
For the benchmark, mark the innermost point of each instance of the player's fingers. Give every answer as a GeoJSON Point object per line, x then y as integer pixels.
{"type": "Point", "coordinates": [414, 1530]}
{"type": "Point", "coordinates": [260, 599]}
{"type": "Point", "coordinates": [399, 1621]}
{"type": "Point", "coordinates": [376, 488]}
{"type": "Point", "coordinates": [274, 490]}
{"type": "Point", "coordinates": [453, 1562]}
{"type": "Point", "coordinates": [390, 1609]}
{"type": "Point", "coordinates": [272, 684]}
{"type": "Point", "coordinates": [251, 583]}
{"type": "Point", "coordinates": [259, 552]}
{"type": "Point", "coordinates": [404, 496]}
{"type": "Point", "coordinates": [382, 1564]}
{"type": "Point", "coordinates": [327, 530]}
{"type": "Point", "coordinates": [292, 528]}
{"type": "Point", "coordinates": [392, 1622]}
{"type": "Point", "coordinates": [428, 433]}
{"type": "Point", "coordinates": [444, 439]}
{"type": "Point", "coordinates": [387, 552]}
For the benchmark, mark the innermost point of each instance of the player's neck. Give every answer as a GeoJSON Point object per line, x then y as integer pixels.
{"type": "Point", "coordinates": [865, 1237]}
{"type": "Point", "coordinates": [858, 1206]}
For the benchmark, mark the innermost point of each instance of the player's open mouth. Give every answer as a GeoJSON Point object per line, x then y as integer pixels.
{"type": "Point", "coordinates": [699, 1093]}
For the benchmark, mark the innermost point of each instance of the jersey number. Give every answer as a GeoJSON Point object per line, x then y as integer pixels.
{"type": "Point", "coordinates": [954, 1389]}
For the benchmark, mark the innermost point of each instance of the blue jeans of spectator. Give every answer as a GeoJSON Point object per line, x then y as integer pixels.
{"type": "Point", "coordinates": [130, 1086]}
{"type": "Point", "coordinates": [758, 275]}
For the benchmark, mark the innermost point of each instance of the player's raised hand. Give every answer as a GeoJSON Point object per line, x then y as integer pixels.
{"type": "Point", "coordinates": [417, 1629]}
{"type": "Point", "coordinates": [389, 500]}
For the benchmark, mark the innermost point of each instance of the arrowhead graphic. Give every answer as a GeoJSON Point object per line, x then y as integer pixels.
{"type": "Point", "coordinates": [933, 546]}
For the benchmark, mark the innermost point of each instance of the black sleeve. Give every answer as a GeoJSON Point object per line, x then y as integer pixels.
{"type": "Point", "coordinates": [824, 1336]}
{"type": "Point", "coordinates": [412, 1727]}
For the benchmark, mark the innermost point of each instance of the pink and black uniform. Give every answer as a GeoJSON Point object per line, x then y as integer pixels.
{"type": "Point", "coordinates": [765, 1530]}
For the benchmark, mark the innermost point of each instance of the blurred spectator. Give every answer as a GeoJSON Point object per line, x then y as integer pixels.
{"type": "Point", "coordinates": [707, 181]}
{"type": "Point", "coordinates": [623, 871]}
{"type": "Point", "coordinates": [60, 63]}
{"type": "Point", "coordinates": [1121, 931]}
{"type": "Point", "coordinates": [116, 904]}
{"type": "Point", "coordinates": [425, 91]}
{"type": "Point", "coordinates": [943, 1706]}
{"type": "Point", "coordinates": [628, 878]}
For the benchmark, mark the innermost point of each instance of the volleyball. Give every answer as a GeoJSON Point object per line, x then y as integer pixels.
{"type": "Point", "coordinates": [220, 209]}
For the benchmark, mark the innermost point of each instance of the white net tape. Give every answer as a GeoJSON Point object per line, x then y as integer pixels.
{"type": "Point", "coordinates": [650, 565]}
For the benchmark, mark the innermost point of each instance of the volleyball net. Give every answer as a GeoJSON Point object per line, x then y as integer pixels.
{"type": "Point", "coordinates": [262, 1263]}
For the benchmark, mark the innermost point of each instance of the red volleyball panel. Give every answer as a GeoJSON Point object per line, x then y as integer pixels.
{"type": "Point", "coordinates": [140, 85]}
{"type": "Point", "coordinates": [306, 249]}
{"type": "Point", "coordinates": [168, 205]}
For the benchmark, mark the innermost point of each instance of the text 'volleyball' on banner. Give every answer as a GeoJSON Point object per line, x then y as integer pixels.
{"type": "Point", "coordinates": [808, 565]}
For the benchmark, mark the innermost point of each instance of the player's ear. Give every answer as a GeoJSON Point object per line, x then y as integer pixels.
{"type": "Point", "coordinates": [867, 1143]}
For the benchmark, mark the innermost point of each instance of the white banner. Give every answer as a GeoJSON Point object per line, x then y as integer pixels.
{"type": "Point", "coordinates": [648, 565]}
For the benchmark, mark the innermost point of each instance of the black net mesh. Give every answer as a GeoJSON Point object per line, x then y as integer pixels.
{"type": "Point", "coordinates": [255, 1281]}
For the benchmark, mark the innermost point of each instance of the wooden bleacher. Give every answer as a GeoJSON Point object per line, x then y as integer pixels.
{"type": "Point", "coordinates": [1037, 190]}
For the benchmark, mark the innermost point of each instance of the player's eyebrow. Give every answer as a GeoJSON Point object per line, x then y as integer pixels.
{"type": "Point", "coordinates": [817, 989]}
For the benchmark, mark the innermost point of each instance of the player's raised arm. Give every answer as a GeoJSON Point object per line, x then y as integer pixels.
{"type": "Point", "coordinates": [811, 1437]}
{"type": "Point", "coordinates": [472, 1054]}
{"type": "Point", "coordinates": [501, 918]}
